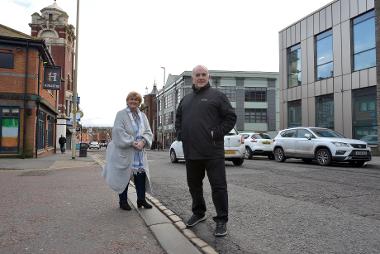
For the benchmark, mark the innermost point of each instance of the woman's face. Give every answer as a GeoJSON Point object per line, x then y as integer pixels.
{"type": "Point", "coordinates": [133, 103]}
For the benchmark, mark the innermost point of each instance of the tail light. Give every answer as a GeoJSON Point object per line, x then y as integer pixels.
{"type": "Point", "coordinates": [241, 140]}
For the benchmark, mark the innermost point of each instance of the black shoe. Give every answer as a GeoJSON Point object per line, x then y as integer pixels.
{"type": "Point", "coordinates": [194, 220]}
{"type": "Point", "coordinates": [125, 206]}
{"type": "Point", "coordinates": [221, 229]}
{"type": "Point", "coordinates": [143, 203]}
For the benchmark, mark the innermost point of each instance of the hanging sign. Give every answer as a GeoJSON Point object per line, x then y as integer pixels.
{"type": "Point", "coordinates": [52, 78]}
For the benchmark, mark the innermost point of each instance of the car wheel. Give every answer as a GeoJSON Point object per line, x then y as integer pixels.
{"type": "Point", "coordinates": [248, 153]}
{"type": "Point", "coordinates": [307, 160]}
{"type": "Point", "coordinates": [271, 156]}
{"type": "Point", "coordinates": [173, 156]}
{"type": "Point", "coordinates": [357, 163]}
{"type": "Point", "coordinates": [323, 157]}
{"type": "Point", "coordinates": [279, 154]}
{"type": "Point", "coordinates": [238, 162]}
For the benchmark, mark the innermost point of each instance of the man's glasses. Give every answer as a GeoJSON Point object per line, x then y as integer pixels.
{"type": "Point", "coordinates": [200, 74]}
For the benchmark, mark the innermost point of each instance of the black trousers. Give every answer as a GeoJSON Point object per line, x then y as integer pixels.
{"type": "Point", "coordinates": [139, 179]}
{"type": "Point", "coordinates": [216, 174]}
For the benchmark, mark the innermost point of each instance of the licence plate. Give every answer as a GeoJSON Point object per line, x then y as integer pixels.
{"type": "Point", "coordinates": [229, 152]}
{"type": "Point", "coordinates": [361, 153]}
{"type": "Point", "coordinates": [266, 142]}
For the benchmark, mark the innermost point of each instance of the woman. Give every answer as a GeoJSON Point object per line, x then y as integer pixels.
{"type": "Point", "coordinates": [126, 155]}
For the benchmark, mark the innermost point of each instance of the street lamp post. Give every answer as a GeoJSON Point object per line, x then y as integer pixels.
{"type": "Point", "coordinates": [75, 85]}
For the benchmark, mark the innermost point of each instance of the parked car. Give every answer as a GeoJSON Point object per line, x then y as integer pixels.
{"type": "Point", "coordinates": [258, 144]}
{"type": "Point", "coordinates": [234, 149]}
{"type": "Point", "coordinates": [322, 144]}
{"type": "Point", "coordinates": [370, 140]}
{"type": "Point", "coordinates": [103, 143]}
{"type": "Point", "coordinates": [94, 145]}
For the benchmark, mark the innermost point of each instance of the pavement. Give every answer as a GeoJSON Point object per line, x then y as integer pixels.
{"type": "Point", "coordinates": [32, 225]}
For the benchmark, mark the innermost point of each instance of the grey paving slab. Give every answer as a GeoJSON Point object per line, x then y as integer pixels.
{"type": "Point", "coordinates": [172, 241]}
{"type": "Point", "coordinates": [151, 216]}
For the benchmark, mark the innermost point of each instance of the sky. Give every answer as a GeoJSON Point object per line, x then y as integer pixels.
{"type": "Point", "coordinates": [123, 44]}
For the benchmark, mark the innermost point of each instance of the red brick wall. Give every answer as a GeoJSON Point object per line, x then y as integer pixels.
{"type": "Point", "coordinates": [13, 81]}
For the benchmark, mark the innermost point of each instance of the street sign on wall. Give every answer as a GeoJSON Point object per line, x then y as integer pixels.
{"type": "Point", "coordinates": [52, 78]}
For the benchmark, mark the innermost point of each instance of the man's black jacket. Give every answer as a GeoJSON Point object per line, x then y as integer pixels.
{"type": "Point", "coordinates": [202, 119]}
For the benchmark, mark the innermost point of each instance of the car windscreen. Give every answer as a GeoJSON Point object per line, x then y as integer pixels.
{"type": "Point", "coordinates": [326, 133]}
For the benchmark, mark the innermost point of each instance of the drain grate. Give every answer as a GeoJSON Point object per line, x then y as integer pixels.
{"type": "Point", "coordinates": [35, 173]}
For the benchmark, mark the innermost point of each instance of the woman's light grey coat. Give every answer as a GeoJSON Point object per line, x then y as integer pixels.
{"type": "Point", "coordinates": [120, 152]}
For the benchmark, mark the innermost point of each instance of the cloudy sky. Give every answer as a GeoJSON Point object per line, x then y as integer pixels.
{"type": "Point", "coordinates": [123, 43]}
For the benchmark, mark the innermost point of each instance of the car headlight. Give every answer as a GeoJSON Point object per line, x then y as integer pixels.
{"type": "Point", "coordinates": [340, 144]}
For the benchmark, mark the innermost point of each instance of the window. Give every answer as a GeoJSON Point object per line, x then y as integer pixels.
{"type": "Point", "coordinates": [229, 91]}
{"type": "Point", "coordinates": [6, 60]}
{"type": "Point", "coordinates": [294, 66]}
{"type": "Point", "coordinates": [255, 115]}
{"type": "Point", "coordinates": [364, 112]}
{"type": "Point", "coordinates": [324, 55]}
{"type": "Point", "coordinates": [169, 100]}
{"type": "Point", "coordinates": [364, 42]}
{"type": "Point", "coordinates": [50, 131]}
{"type": "Point", "coordinates": [41, 130]}
{"type": "Point", "coordinates": [288, 134]}
{"type": "Point", "coordinates": [302, 132]}
{"type": "Point", "coordinates": [294, 113]}
{"type": "Point", "coordinates": [9, 130]}
{"type": "Point", "coordinates": [256, 94]}
{"type": "Point", "coordinates": [324, 111]}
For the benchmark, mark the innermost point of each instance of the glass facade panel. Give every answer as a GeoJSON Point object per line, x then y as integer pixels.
{"type": "Point", "coordinates": [364, 120]}
{"type": "Point", "coordinates": [364, 42]}
{"type": "Point", "coordinates": [294, 114]}
{"type": "Point", "coordinates": [324, 111]}
{"type": "Point", "coordinates": [324, 55]}
{"type": "Point", "coordinates": [9, 130]}
{"type": "Point", "coordinates": [294, 66]}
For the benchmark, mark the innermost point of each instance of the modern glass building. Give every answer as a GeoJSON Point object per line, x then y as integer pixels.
{"type": "Point", "coordinates": [253, 95]}
{"type": "Point", "coordinates": [328, 70]}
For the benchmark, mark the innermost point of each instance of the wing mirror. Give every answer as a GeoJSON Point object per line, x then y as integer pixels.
{"type": "Point", "coordinates": [308, 136]}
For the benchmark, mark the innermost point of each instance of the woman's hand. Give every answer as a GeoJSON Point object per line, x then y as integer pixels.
{"type": "Point", "coordinates": [139, 145]}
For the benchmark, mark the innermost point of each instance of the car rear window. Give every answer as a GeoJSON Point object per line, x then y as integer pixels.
{"type": "Point", "coordinates": [264, 136]}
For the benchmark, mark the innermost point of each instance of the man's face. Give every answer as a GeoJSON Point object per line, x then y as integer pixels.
{"type": "Point", "coordinates": [200, 76]}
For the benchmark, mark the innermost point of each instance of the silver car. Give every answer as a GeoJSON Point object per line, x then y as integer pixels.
{"type": "Point", "coordinates": [323, 145]}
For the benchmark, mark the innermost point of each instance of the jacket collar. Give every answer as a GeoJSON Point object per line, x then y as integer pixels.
{"type": "Point", "coordinates": [198, 90]}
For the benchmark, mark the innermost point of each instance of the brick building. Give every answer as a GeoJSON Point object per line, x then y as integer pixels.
{"type": "Point", "coordinates": [52, 26]}
{"type": "Point", "coordinates": [150, 109]}
{"type": "Point", "coordinates": [27, 111]}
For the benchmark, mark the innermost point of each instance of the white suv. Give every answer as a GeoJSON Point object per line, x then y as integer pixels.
{"type": "Point", "coordinates": [234, 149]}
{"type": "Point", "coordinates": [321, 144]}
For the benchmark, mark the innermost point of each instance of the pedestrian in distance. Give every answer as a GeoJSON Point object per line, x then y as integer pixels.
{"type": "Point", "coordinates": [126, 155]}
{"type": "Point", "coordinates": [62, 142]}
{"type": "Point", "coordinates": [203, 117]}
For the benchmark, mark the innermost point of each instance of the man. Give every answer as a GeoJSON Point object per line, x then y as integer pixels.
{"type": "Point", "coordinates": [203, 118]}
{"type": "Point", "coordinates": [62, 142]}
